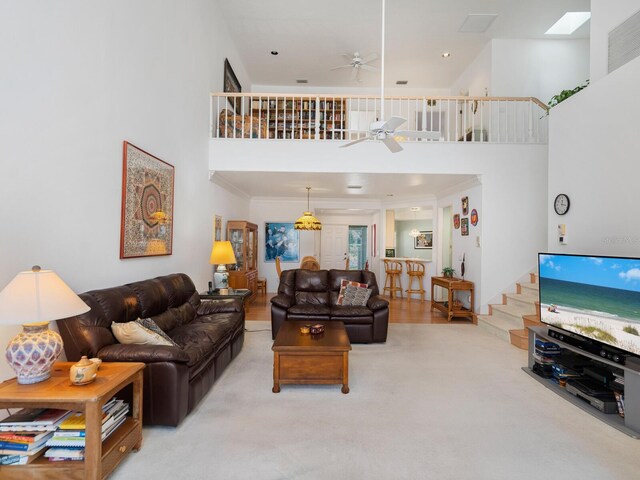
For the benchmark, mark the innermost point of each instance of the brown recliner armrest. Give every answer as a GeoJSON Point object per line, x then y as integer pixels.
{"type": "Point", "coordinates": [119, 352]}
{"type": "Point", "coordinates": [377, 303]}
{"type": "Point", "coordinates": [208, 307]}
{"type": "Point", "coordinates": [283, 301]}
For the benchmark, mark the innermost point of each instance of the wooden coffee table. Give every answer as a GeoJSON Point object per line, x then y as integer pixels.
{"type": "Point", "coordinates": [311, 359]}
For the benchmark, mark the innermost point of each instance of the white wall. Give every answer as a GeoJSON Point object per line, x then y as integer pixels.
{"type": "Point", "coordinates": [466, 246]}
{"type": "Point", "coordinates": [477, 76]}
{"type": "Point", "coordinates": [78, 78]}
{"type": "Point", "coordinates": [593, 149]}
{"type": "Point", "coordinates": [605, 16]}
{"type": "Point", "coordinates": [538, 68]}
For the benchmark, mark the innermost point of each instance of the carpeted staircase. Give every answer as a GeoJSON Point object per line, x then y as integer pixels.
{"type": "Point", "coordinates": [517, 311]}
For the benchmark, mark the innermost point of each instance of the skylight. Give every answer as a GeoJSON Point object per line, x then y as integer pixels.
{"type": "Point", "coordinates": [569, 23]}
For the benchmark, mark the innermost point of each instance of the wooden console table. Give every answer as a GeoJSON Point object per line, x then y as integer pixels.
{"type": "Point", "coordinates": [451, 285]}
{"type": "Point", "coordinates": [100, 458]}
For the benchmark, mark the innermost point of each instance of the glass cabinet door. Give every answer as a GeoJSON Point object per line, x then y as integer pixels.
{"type": "Point", "coordinates": [236, 237]}
{"type": "Point", "coordinates": [251, 253]}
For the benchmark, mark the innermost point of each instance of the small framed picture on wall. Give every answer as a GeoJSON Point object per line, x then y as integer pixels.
{"type": "Point", "coordinates": [464, 227]}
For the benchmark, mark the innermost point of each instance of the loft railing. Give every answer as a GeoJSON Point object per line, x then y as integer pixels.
{"type": "Point", "coordinates": [330, 117]}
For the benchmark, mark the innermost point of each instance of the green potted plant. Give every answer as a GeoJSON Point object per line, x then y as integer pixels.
{"type": "Point", "coordinates": [448, 272]}
{"type": "Point", "coordinates": [564, 94]}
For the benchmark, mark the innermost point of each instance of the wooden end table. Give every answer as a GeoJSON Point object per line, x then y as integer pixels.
{"type": "Point", "coordinates": [100, 458]}
{"type": "Point", "coordinates": [451, 285]}
{"type": "Point", "coordinates": [311, 359]}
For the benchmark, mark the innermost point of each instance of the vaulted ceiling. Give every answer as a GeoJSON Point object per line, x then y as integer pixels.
{"type": "Point", "coordinates": [310, 35]}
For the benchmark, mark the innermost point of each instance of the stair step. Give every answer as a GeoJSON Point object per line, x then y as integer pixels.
{"type": "Point", "coordinates": [520, 338]}
{"type": "Point", "coordinates": [510, 313]}
{"type": "Point", "coordinates": [496, 326]}
{"type": "Point", "coordinates": [526, 303]}
{"type": "Point", "coordinates": [530, 288]}
{"type": "Point", "coordinates": [533, 277]}
{"type": "Point", "coordinates": [531, 321]}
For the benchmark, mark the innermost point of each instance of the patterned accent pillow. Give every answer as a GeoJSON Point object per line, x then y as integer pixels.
{"type": "Point", "coordinates": [153, 326]}
{"type": "Point", "coordinates": [356, 296]}
{"type": "Point", "coordinates": [133, 333]}
{"type": "Point", "coordinates": [343, 289]}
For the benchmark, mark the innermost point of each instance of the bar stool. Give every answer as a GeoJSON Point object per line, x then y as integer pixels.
{"type": "Point", "coordinates": [415, 270]}
{"type": "Point", "coordinates": [261, 285]}
{"type": "Point", "coordinates": [393, 280]}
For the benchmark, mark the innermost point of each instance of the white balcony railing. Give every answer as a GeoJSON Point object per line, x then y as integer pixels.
{"type": "Point", "coordinates": [325, 117]}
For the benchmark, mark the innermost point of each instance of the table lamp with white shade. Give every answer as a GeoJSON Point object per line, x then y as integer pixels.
{"type": "Point", "coordinates": [33, 299]}
{"type": "Point", "coordinates": [222, 255]}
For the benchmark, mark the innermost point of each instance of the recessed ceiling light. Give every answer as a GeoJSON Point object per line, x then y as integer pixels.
{"type": "Point", "coordinates": [302, 81]}
{"type": "Point", "coordinates": [477, 23]}
{"type": "Point", "coordinates": [354, 187]}
{"type": "Point", "coordinates": [415, 209]}
{"type": "Point", "coordinates": [389, 194]}
{"type": "Point", "coordinates": [569, 23]}
{"type": "Point", "coordinates": [446, 54]}
{"type": "Point", "coordinates": [402, 82]}
{"type": "Point", "coordinates": [274, 52]}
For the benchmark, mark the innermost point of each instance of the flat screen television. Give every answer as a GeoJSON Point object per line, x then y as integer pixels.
{"type": "Point", "coordinates": [593, 296]}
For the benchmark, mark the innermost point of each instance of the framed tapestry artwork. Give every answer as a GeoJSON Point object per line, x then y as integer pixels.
{"type": "Point", "coordinates": [424, 240]}
{"type": "Point", "coordinates": [281, 240]}
{"type": "Point", "coordinates": [146, 228]}
{"type": "Point", "coordinates": [464, 227]}
{"type": "Point", "coordinates": [217, 228]}
{"type": "Point", "coordinates": [232, 85]}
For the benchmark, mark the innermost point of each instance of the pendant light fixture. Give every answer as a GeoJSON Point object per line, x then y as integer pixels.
{"type": "Point", "coordinates": [308, 221]}
{"type": "Point", "coordinates": [414, 231]}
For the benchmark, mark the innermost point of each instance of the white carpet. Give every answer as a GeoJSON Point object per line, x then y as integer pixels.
{"type": "Point", "coordinates": [434, 402]}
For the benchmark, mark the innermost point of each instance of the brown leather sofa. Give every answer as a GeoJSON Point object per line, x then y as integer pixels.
{"type": "Point", "coordinates": [209, 334]}
{"type": "Point", "coordinates": [311, 295]}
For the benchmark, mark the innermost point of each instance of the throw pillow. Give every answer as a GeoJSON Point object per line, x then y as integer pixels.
{"type": "Point", "coordinates": [356, 296]}
{"type": "Point", "coordinates": [149, 324]}
{"type": "Point", "coordinates": [134, 333]}
{"type": "Point", "coordinates": [343, 289]}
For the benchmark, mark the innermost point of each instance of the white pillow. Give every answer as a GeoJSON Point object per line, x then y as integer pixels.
{"type": "Point", "coordinates": [134, 333]}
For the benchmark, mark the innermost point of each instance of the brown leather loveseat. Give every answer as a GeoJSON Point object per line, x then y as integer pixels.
{"type": "Point", "coordinates": [312, 295]}
{"type": "Point", "coordinates": [209, 335]}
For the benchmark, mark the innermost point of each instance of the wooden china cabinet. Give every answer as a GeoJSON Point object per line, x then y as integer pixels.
{"type": "Point", "coordinates": [244, 240]}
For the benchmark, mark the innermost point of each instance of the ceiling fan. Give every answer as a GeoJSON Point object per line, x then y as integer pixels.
{"type": "Point", "coordinates": [357, 63]}
{"type": "Point", "coordinates": [385, 130]}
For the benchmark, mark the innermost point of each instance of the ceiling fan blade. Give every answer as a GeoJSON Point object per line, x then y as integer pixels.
{"type": "Point", "coordinates": [392, 144]}
{"type": "Point", "coordinates": [370, 58]}
{"type": "Point", "coordinates": [354, 74]}
{"type": "Point", "coordinates": [418, 134]}
{"type": "Point", "coordinates": [369, 68]}
{"type": "Point", "coordinates": [348, 56]}
{"type": "Point", "coordinates": [393, 123]}
{"type": "Point", "coordinates": [341, 66]}
{"type": "Point", "coordinates": [357, 141]}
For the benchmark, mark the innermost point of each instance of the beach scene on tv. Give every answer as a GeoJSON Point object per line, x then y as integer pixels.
{"type": "Point", "coordinates": [597, 297]}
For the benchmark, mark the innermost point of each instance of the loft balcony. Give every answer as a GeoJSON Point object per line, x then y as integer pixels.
{"type": "Point", "coordinates": [267, 132]}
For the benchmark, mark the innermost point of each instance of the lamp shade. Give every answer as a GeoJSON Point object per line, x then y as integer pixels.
{"type": "Point", "coordinates": [308, 222]}
{"type": "Point", "coordinates": [38, 296]}
{"type": "Point", "coordinates": [222, 253]}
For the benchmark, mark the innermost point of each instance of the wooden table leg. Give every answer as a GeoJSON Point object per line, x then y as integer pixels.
{"type": "Point", "coordinates": [136, 404]}
{"type": "Point", "coordinates": [276, 373]}
{"type": "Point", "coordinates": [93, 441]}
{"type": "Point", "coordinates": [345, 372]}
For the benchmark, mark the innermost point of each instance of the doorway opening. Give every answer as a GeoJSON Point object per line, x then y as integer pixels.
{"type": "Point", "coordinates": [357, 247]}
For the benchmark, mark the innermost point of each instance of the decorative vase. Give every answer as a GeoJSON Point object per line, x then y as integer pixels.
{"type": "Point", "coordinates": [32, 352]}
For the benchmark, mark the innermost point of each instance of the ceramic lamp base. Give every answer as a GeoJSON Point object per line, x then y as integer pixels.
{"type": "Point", "coordinates": [32, 352]}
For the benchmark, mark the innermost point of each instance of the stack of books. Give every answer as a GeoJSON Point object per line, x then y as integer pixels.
{"type": "Point", "coordinates": [544, 357]}
{"type": "Point", "coordinates": [24, 434]}
{"type": "Point", "coordinates": [68, 442]}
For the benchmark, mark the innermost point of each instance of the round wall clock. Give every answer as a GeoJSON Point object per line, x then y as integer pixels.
{"type": "Point", "coordinates": [561, 204]}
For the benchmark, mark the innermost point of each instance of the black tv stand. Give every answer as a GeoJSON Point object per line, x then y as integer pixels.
{"type": "Point", "coordinates": [630, 424]}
